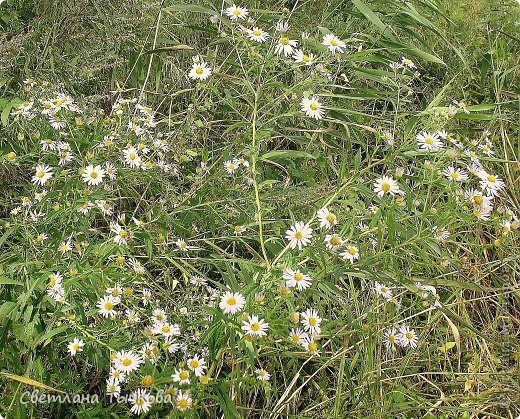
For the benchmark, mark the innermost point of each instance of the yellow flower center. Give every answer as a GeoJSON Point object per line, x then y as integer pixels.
{"type": "Point", "coordinates": [132, 156]}
{"type": "Point", "coordinates": [313, 321]}
{"type": "Point", "coordinates": [298, 276]}
{"type": "Point", "coordinates": [147, 380]}
{"type": "Point", "coordinates": [41, 174]}
{"type": "Point", "coordinates": [428, 140]}
{"type": "Point", "coordinates": [335, 241]}
{"type": "Point", "coordinates": [255, 327]}
{"type": "Point", "coordinates": [165, 329]}
{"type": "Point", "coordinates": [352, 250]}
{"type": "Point", "coordinates": [478, 199]}
{"type": "Point", "coordinates": [334, 42]}
{"type": "Point", "coordinates": [296, 338]}
{"type": "Point", "coordinates": [109, 306]}
{"type": "Point", "coordinates": [199, 70]}
{"type": "Point", "coordinates": [306, 58]}
{"type": "Point", "coordinates": [127, 362]}
{"type": "Point", "coordinates": [313, 106]}
{"type": "Point", "coordinates": [313, 346]}
{"type": "Point", "coordinates": [236, 12]}
{"type": "Point", "coordinates": [331, 218]}
{"type": "Point", "coordinates": [75, 346]}
{"type": "Point", "coordinates": [409, 336]}
{"type": "Point", "coordinates": [257, 32]}
{"type": "Point", "coordinates": [284, 41]}
{"type": "Point", "coordinates": [183, 375]}
{"type": "Point", "coordinates": [385, 187]}
{"type": "Point", "coordinates": [183, 403]}
{"type": "Point", "coordinates": [94, 175]}
{"type": "Point", "coordinates": [391, 339]}
{"type": "Point", "coordinates": [491, 178]}
{"type": "Point", "coordinates": [194, 363]}
{"type": "Point", "coordinates": [454, 175]}
{"type": "Point", "coordinates": [298, 235]}
{"type": "Point", "coordinates": [231, 301]}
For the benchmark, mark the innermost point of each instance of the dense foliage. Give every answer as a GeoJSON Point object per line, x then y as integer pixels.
{"type": "Point", "coordinates": [239, 211]}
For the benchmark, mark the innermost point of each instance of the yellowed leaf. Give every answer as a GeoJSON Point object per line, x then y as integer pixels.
{"type": "Point", "coordinates": [468, 384]}
{"type": "Point", "coordinates": [29, 381]}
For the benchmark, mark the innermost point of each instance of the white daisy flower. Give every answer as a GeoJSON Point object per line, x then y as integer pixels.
{"type": "Point", "coordinates": [386, 185]}
{"type": "Point", "coordinates": [298, 336]}
{"type": "Point", "coordinates": [407, 337]}
{"type": "Point", "coordinates": [197, 365]}
{"type": "Point", "coordinates": [299, 234]}
{"type": "Point", "coordinates": [75, 346]}
{"type": "Point", "coordinates": [184, 401]}
{"type": "Point", "coordinates": [121, 236]}
{"type": "Point", "coordinates": [383, 290]}
{"type": "Point", "coordinates": [65, 246]}
{"type": "Point", "coordinates": [141, 401]}
{"type": "Point", "coordinates": [351, 253]}
{"type": "Point", "coordinates": [236, 12]}
{"type": "Point", "coordinates": [440, 234]}
{"type": "Point", "coordinates": [301, 58]}
{"type": "Point", "coordinates": [296, 279]}
{"type": "Point", "coordinates": [182, 245]}
{"type": "Point", "coordinates": [199, 71]}
{"type": "Point", "coordinates": [42, 175]}
{"type": "Point", "coordinates": [455, 175]}
{"type": "Point", "coordinates": [107, 306]}
{"type": "Point", "coordinates": [257, 34]}
{"type": "Point", "coordinates": [113, 388]}
{"type": "Point", "coordinates": [391, 338]}
{"type": "Point", "coordinates": [429, 141]}
{"type": "Point", "coordinates": [93, 175]}
{"type": "Point", "coordinates": [181, 376]}
{"type": "Point", "coordinates": [311, 347]}
{"type": "Point", "coordinates": [285, 46]}
{"type": "Point", "coordinates": [105, 207]}
{"type": "Point", "coordinates": [232, 302]}
{"type": "Point", "coordinates": [231, 166]}
{"type": "Point", "coordinates": [262, 374]}
{"type": "Point", "coordinates": [326, 218]}
{"type": "Point", "coordinates": [127, 361]}
{"type": "Point", "coordinates": [407, 62]}
{"type": "Point", "coordinates": [254, 326]}
{"type": "Point", "coordinates": [333, 43]}
{"type": "Point", "coordinates": [333, 241]}
{"type": "Point", "coordinates": [311, 321]}
{"type": "Point", "coordinates": [492, 183]}
{"type": "Point", "coordinates": [131, 157]}
{"type": "Point", "coordinates": [57, 123]}
{"type": "Point", "coordinates": [166, 329]}
{"type": "Point", "coordinates": [312, 107]}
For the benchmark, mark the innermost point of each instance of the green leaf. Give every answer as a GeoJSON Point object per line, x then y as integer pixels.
{"type": "Point", "coordinates": [228, 407]}
{"type": "Point", "coordinates": [189, 8]}
{"type": "Point", "coordinates": [7, 308]}
{"type": "Point", "coordinates": [51, 333]}
{"type": "Point", "coordinates": [446, 347]}
{"type": "Point", "coordinates": [373, 18]}
{"type": "Point", "coordinates": [286, 154]}
{"type": "Point", "coordinates": [8, 281]}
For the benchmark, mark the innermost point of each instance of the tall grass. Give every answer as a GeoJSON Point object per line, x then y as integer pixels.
{"type": "Point", "coordinates": [236, 150]}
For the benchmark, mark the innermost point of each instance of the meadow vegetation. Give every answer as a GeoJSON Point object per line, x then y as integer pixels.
{"type": "Point", "coordinates": [268, 209]}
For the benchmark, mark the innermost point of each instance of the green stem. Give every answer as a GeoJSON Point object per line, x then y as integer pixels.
{"type": "Point", "coordinates": [255, 184]}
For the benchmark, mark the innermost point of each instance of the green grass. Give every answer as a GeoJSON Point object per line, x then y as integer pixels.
{"type": "Point", "coordinates": [466, 361]}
